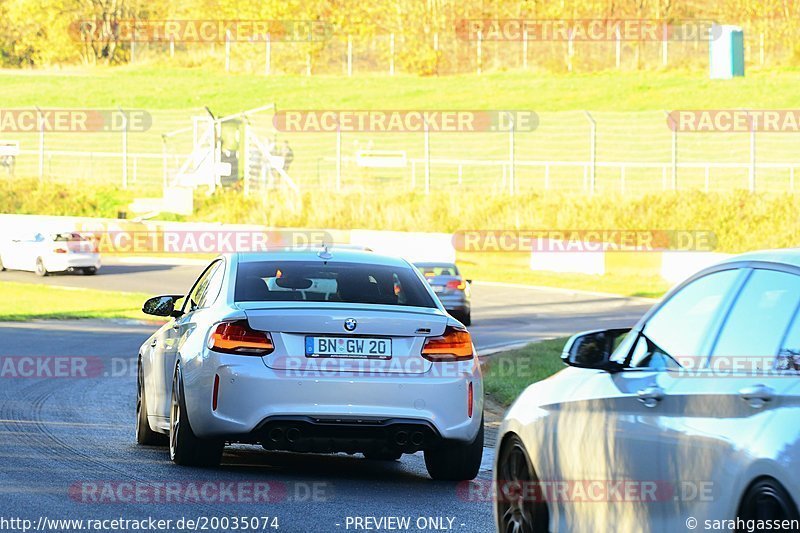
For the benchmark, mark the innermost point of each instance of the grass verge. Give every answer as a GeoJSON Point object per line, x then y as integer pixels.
{"type": "Point", "coordinates": [515, 268]}
{"type": "Point", "coordinates": [27, 301]}
{"type": "Point", "coordinates": [160, 87]}
{"type": "Point", "coordinates": [507, 374]}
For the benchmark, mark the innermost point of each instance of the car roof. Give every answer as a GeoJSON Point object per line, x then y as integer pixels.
{"type": "Point", "coordinates": [434, 264]}
{"type": "Point", "coordinates": [341, 255]}
{"type": "Point", "coordinates": [784, 256]}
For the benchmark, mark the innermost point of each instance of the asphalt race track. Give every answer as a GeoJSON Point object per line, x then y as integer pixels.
{"type": "Point", "coordinates": [67, 443]}
{"type": "Point", "coordinates": [502, 314]}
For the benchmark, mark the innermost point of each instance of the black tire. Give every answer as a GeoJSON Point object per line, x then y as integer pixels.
{"type": "Point", "coordinates": [41, 271]}
{"type": "Point", "coordinates": [89, 271]}
{"type": "Point", "coordinates": [185, 448]}
{"type": "Point", "coordinates": [515, 511]}
{"type": "Point", "coordinates": [466, 318]}
{"type": "Point", "coordinates": [383, 455]}
{"type": "Point", "coordinates": [456, 462]}
{"type": "Point", "coordinates": [144, 435]}
{"type": "Point", "coordinates": [766, 500]}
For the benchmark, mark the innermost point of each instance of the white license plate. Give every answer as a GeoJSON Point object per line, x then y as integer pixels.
{"type": "Point", "coordinates": [349, 347]}
{"type": "Point", "coordinates": [438, 288]}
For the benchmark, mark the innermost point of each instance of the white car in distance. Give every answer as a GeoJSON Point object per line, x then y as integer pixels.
{"type": "Point", "coordinates": [44, 253]}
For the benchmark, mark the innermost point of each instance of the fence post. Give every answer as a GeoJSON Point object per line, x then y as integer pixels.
{"type": "Point", "coordinates": [171, 47]}
{"type": "Point", "coordinates": [752, 177]}
{"type": "Point", "coordinates": [349, 55]}
{"type": "Point", "coordinates": [338, 157]}
{"type": "Point", "coordinates": [246, 158]}
{"type": "Point", "coordinates": [761, 48]}
{"type": "Point", "coordinates": [570, 50]}
{"type": "Point", "coordinates": [674, 128]}
{"type": "Point", "coordinates": [216, 139]}
{"type": "Point", "coordinates": [133, 49]}
{"type": "Point", "coordinates": [664, 46]}
{"type": "Point", "coordinates": [41, 142]}
{"type": "Point", "coordinates": [525, 50]}
{"type": "Point", "coordinates": [164, 160]}
{"type": "Point", "coordinates": [618, 48]}
{"type": "Point", "coordinates": [593, 151]}
{"type": "Point", "coordinates": [227, 50]}
{"type": "Point", "coordinates": [427, 158]}
{"type": "Point", "coordinates": [268, 56]}
{"type": "Point", "coordinates": [480, 50]}
{"type": "Point", "coordinates": [391, 55]}
{"type": "Point", "coordinates": [308, 63]}
{"type": "Point", "coordinates": [124, 149]}
{"type": "Point", "coordinates": [436, 50]}
{"type": "Point", "coordinates": [512, 184]}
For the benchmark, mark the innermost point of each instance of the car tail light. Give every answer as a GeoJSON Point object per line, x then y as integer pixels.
{"type": "Point", "coordinates": [454, 345]}
{"type": "Point", "coordinates": [60, 250]}
{"type": "Point", "coordinates": [456, 284]}
{"type": "Point", "coordinates": [238, 338]}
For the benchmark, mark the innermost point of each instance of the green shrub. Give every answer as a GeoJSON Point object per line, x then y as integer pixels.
{"type": "Point", "coordinates": [740, 220]}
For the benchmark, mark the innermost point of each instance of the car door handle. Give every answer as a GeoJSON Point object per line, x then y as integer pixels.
{"type": "Point", "coordinates": [757, 395]}
{"type": "Point", "coordinates": [650, 396]}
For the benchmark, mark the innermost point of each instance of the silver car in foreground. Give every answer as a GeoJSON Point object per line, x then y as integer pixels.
{"type": "Point", "coordinates": [334, 350]}
{"type": "Point", "coordinates": [688, 420]}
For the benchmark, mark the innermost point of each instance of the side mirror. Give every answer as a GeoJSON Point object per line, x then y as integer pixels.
{"type": "Point", "coordinates": [593, 349]}
{"type": "Point", "coordinates": [162, 306]}
{"type": "Point", "coordinates": [469, 281]}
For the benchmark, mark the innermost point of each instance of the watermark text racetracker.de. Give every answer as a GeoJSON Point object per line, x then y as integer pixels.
{"type": "Point", "coordinates": [201, 31]}
{"type": "Point", "coordinates": [397, 121]}
{"type": "Point", "coordinates": [583, 240]}
{"type": "Point", "coordinates": [205, 241]}
{"type": "Point", "coordinates": [734, 120]}
{"type": "Point", "coordinates": [200, 492]}
{"type": "Point", "coordinates": [74, 120]}
{"type": "Point", "coordinates": [53, 367]}
{"type": "Point", "coordinates": [586, 490]}
{"type": "Point", "coordinates": [292, 367]}
{"type": "Point", "coordinates": [586, 30]}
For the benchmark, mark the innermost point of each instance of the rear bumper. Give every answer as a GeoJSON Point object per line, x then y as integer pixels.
{"type": "Point", "coordinates": [458, 303]}
{"type": "Point", "coordinates": [345, 434]}
{"type": "Point", "coordinates": [66, 262]}
{"type": "Point", "coordinates": [458, 308]}
{"type": "Point", "coordinates": [252, 397]}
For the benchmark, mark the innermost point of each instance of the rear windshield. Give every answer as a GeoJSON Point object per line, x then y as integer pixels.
{"type": "Point", "coordinates": [431, 270]}
{"type": "Point", "coordinates": [67, 237]}
{"type": "Point", "coordinates": [315, 281]}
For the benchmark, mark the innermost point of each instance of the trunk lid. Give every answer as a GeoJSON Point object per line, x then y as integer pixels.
{"type": "Point", "coordinates": [298, 328]}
